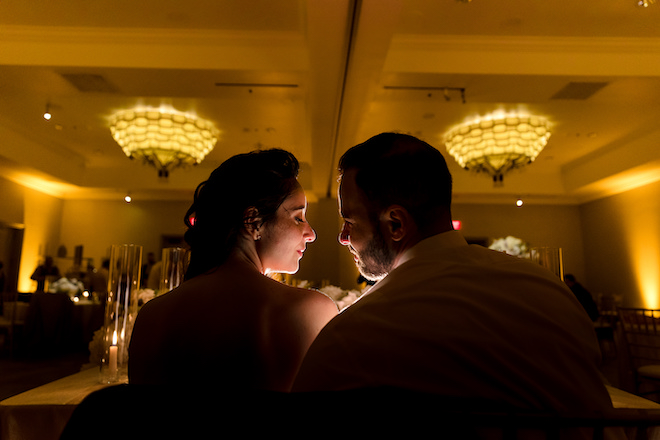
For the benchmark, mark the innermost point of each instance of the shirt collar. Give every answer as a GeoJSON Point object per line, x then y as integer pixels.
{"type": "Point", "coordinates": [444, 240]}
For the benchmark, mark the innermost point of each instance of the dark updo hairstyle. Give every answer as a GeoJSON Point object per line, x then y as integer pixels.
{"type": "Point", "coordinates": [259, 179]}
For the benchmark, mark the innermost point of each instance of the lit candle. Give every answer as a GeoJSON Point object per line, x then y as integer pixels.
{"type": "Point", "coordinates": [113, 355]}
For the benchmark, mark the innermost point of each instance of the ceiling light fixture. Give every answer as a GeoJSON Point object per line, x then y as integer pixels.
{"type": "Point", "coordinates": [47, 114]}
{"type": "Point", "coordinates": [164, 138]}
{"type": "Point", "coordinates": [497, 142]}
{"type": "Point", "coordinates": [645, 3]}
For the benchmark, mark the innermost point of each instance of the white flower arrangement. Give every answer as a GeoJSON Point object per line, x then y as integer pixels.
{"type": "Point", "coordinates": [348, 299]}
{"type": "Point", "coordinates": [145, 295]}
{"type": "Point", "coordinates": [343, 298]}
{"type": "Point", "coordinates": [71, 287]}
{"type": "Point", "coordinates": [512, 246]}
{"type": "Point", "coordinates": [96, 347]}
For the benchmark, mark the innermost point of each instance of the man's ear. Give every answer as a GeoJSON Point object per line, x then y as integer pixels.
{"type": "Point", "coordinates": [252, 222]}
{"type": "Point", "coordinates": [397, 221]}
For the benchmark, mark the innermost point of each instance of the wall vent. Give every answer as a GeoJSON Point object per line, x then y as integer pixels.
{"type": "Point", "coordinates": [579, 90]}
{"type": "Point", "coordinates": [87, 82]}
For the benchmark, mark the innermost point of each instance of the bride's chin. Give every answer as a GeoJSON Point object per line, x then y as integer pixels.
{"type": "Point", "coordinates": [282, 271]}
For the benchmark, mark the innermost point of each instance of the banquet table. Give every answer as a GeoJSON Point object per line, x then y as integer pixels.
{"type": "Point", "coordinates": [87, 318]}
{"type": "Point", "coordinates": [54, 324]}
{"type": "Point", "coordinates": [48, 324]}
{"type": "Point", "coordinates": [43, 412]}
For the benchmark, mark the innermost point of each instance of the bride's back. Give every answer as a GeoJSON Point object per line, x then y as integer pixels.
{"type": "Point", "coordinates": [234, 325]}
{"type": "Point", "coordinates": [228, 324]}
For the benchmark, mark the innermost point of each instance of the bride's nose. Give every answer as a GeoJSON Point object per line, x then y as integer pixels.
{"type": "Point", "coordinates": [309, 234]}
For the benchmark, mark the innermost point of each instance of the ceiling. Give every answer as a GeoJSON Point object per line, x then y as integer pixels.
{"type": "Point", "coordinates": [316, 77]}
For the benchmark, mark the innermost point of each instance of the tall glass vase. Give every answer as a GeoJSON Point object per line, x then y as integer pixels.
{"type": "Point", "coordinates": [120, 310]}
{"type": "Point", "coordinates": [174, 264]}
{"type": "Point", "coordinates": [551, 258]}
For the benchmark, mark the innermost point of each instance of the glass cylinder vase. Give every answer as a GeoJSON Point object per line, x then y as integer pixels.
{"type": "Point", "coordinates": [120, 310]}
{"type": "Point", "coordinates": [174, 264]}
{"type": "Point", "coordinates": [552, 258]}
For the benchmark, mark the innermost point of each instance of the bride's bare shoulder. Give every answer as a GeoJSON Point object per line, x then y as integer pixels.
{"type": "Point", "coordinates": [304, 297]}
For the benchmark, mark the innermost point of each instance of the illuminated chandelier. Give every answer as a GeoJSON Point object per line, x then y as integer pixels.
{"type": "Point", "coordinates": [164, 138]}
{"type": "Point", "coordinates": [496, 143]}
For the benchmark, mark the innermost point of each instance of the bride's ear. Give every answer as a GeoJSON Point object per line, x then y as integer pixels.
{"type": "Point", "coordinates": [252, 222]}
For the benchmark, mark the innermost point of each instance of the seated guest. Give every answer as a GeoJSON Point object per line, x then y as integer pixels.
{"type": "Point", "coordinates": [96, 281]}
{"type": "Point", "coordinates": [445, 317]}
{"type": "Point", "coordinates": [229, 324]}
{"type": "Point", "coordinates": [582, 295]}
{"type": "Point", "coordinates": [44, 272]}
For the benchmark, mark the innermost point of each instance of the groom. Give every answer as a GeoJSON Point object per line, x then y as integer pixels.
{"type": "Point", "coordinates": [445, 317]}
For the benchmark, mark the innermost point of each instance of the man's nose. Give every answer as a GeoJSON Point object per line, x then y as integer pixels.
{"type": "Point", "coordinates": [344, 238]}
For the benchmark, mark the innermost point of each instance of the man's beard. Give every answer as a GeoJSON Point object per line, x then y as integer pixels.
{"type": "Point", "coordinates": [377, 259]}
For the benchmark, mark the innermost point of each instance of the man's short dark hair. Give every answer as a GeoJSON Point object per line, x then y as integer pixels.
{"type": "Point", "coordinates": [394, 168]}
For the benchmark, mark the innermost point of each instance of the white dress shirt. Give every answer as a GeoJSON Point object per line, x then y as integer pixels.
{"type": "Point", "coordinates": [462, 320]}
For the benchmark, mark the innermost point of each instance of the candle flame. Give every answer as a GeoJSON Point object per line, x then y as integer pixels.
{"type": "Point", "coordinates": [114, 338]}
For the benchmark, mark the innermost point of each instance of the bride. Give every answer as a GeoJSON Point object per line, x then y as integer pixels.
{"type": "Point", "coordinates": [229, 324]}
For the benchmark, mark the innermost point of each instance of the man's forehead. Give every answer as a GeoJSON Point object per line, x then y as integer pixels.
{"type": "Point", "coordinates": [347, 185]}
{"type": "Point", "coordinates": [349, 193]}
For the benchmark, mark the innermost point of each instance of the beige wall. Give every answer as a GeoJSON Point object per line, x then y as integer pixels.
{"type": "Point", "coordinates": [98, 224]}
{"type": "Point", "coordinates": [622, 241]}
{"type": "Point", "coordinates": [42, 219]}
{"type": "Point", "coordinates": [544, 225]}
{"type": "Point", "coordinates": [612, 245]}
{"type": "Point", "coordinates": [326, 259]}
{"type": "Point", "coordinates": [538, 225]}
{"type": "Point", "coordinates": [11, 202]}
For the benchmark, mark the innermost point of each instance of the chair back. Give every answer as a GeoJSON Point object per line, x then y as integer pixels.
{"type": "Point", "coordinates": [641, 331]}
{"type": "Point", "coordinates": [15, 312]}
{"type": "Point", "coordinates": [169, 412]}
{"type": "Point", "coordinates": [608, 306]}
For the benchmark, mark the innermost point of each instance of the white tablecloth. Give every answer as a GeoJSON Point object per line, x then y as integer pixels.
{"type": "Point", "coordinates": [42, 413]}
